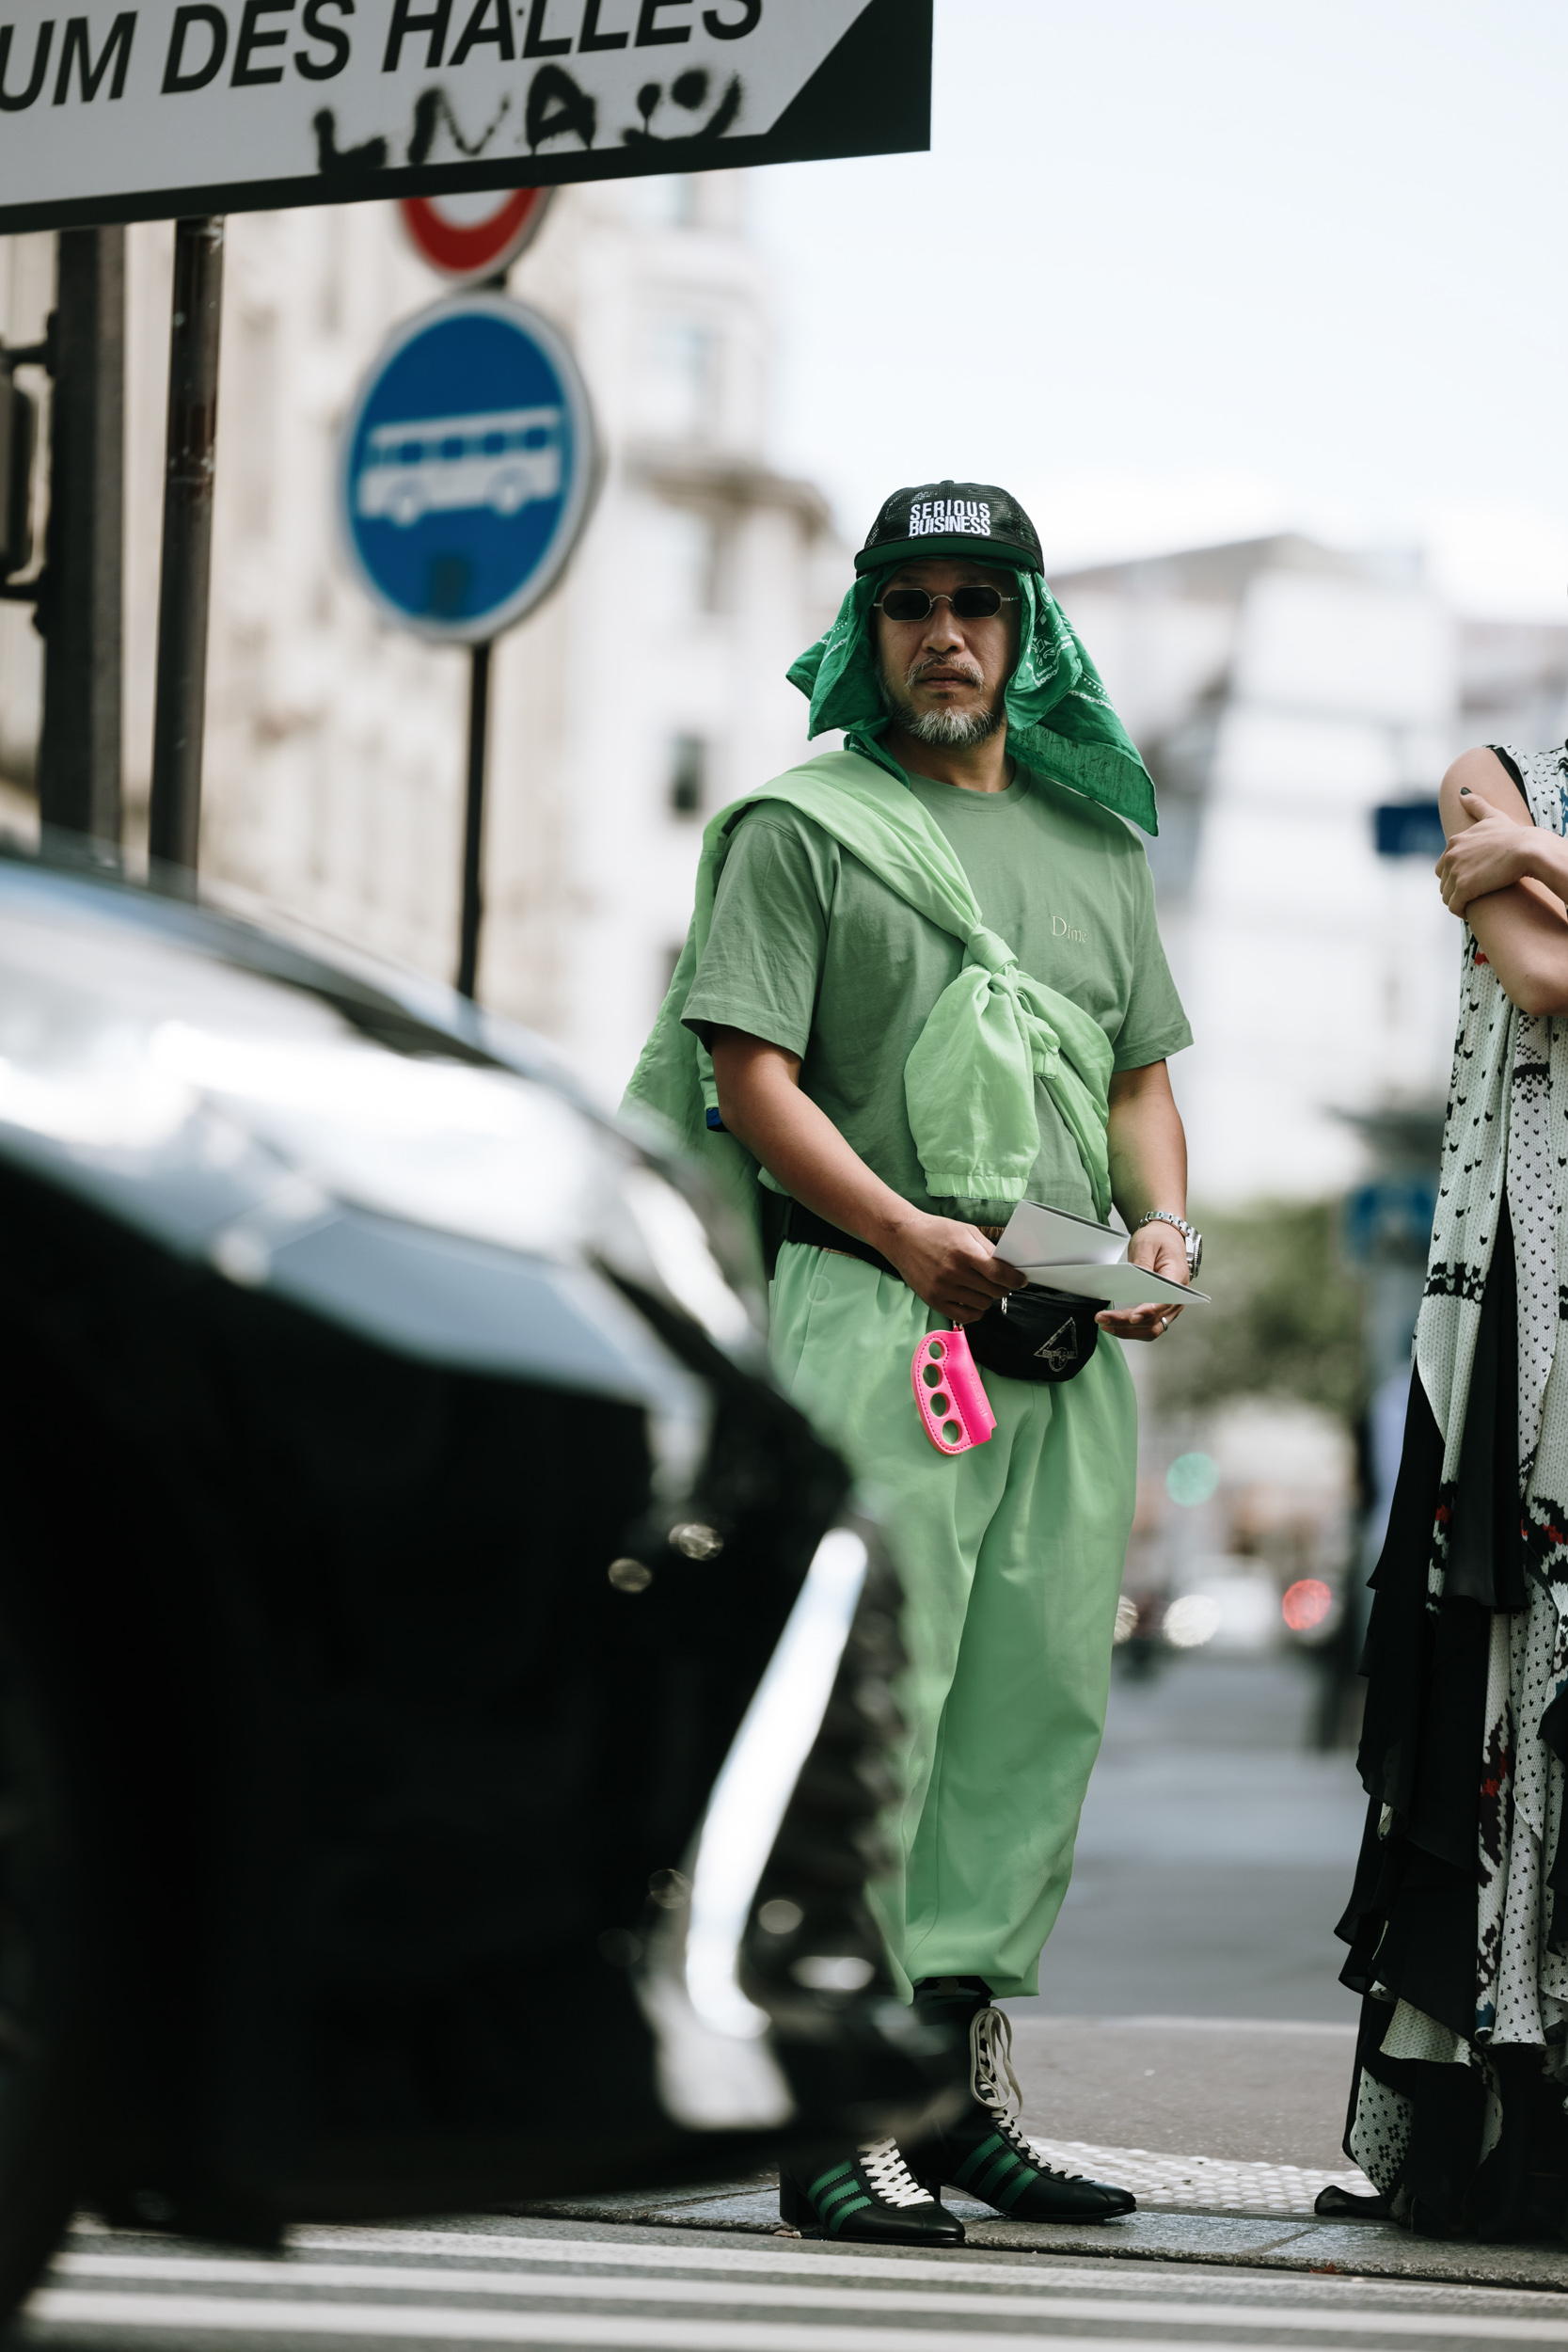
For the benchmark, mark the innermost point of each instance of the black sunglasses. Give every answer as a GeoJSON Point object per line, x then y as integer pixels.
{"type": "Point", "coordinates": [979, 603]}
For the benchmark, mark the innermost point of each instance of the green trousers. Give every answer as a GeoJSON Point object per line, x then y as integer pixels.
{"type": "Point", "coordinates": [1011, 1558]}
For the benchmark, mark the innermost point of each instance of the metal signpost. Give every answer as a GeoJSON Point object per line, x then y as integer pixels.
{"type": "Point", "coordinates": [180, 703]}
{"type": "Point", "coordinates": [467, 469]}
{"type": "Point", "coordinates": [77, 597]}
{"type": "Point", "coordinates": [190, 109]}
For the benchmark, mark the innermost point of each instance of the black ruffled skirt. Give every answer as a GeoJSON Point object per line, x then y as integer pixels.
{"type": "Point", "coordinates": [1412, 1920]}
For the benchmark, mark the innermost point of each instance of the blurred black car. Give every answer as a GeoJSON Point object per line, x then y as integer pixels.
{"type": "Point", "coordinates": [443, 1687]}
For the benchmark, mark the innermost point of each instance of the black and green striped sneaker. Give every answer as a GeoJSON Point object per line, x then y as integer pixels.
{"type": "Point", "coordinates": [871, 2197]}
{"type": "Point", "coordinates": [984, 2151]}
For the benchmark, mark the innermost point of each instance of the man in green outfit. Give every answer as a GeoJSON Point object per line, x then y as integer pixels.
{"type": "Point", "coordinates": [924, 981]}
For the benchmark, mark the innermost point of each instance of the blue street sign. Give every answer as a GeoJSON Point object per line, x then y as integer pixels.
{"type": "Point", "coordinates": [1390, 1217]}
{"type": "Point", "coordinates": [466, 468]}
{"type": "Point", "coordinates": [1409, 829]}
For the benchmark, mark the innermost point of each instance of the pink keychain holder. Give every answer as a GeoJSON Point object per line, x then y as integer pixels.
{"type": "Point", "coordinates": [950, 1393]}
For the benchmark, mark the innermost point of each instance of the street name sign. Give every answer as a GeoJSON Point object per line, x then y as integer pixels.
{"type": "Point", "coordinates": [467, 468]}
{"type": "Point", "coordinates": [170, 107]}
{"type": "Point", "coordinates": [475, 235]}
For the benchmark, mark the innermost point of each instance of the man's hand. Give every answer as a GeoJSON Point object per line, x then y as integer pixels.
{"type": "Point", "coordinates": [953, 1267]}
{"type": "Point", "coordinates": [1490, 853]}
{"type": "Point", "coordinates": [1161, 1249]}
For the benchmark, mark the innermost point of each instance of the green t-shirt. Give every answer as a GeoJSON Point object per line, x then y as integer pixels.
{"type": "Point", "coordinates": [809, 950]}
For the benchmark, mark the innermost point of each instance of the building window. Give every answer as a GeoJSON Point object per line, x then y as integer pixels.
{"type": "Point", "coordinates": [680, 393]}
{"type": "Point", "coordinates": [688, 560]}
{"type": "Point", "coordinates": [254, 396]}
{"type": "Point", "coordinates": [687, 775]}
{"type": "Point", "coordinates": [663, 201]}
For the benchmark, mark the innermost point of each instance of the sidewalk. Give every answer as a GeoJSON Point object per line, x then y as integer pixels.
{"type": "Point", "coordinates": [1264, 2086]}
{"type": "Point", "coordinates": [1363, 2249]}
{"type": "Point", "coordinates": [1202, 2052]}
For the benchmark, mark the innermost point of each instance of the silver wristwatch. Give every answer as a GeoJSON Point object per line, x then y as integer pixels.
{"type": "Point", "coordinates": [1189, 1233]}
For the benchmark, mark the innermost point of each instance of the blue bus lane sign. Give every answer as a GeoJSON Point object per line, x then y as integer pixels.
{"type": "Point", "coordinates": [468, 468]}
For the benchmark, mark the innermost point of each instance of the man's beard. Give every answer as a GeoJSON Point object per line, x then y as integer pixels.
{"type": "Point", "coordinates": [951, 730]}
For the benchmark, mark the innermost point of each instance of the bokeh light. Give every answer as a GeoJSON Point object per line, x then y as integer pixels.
{"type": "Point", "coordinates": [1192, 1620]}
{"type": "Point", "coordinates": [1306, 1604]}
{"type": "Point", "coordinates": [1191, 1478]}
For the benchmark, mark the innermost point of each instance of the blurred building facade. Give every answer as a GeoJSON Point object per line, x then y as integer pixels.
{"type": "Point", "coordinates": [1282, 691]}
{"type": "Point", "coordinates": [645, 693]}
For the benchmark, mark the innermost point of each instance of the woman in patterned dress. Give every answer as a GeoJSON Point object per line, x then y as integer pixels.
{"type": "Point", "coordinates": [1458, 1922]}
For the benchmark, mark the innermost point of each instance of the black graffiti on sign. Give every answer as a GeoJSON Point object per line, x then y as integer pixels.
{"type": "Point", "coordinates": [689, 90]}
{"type": "Point", "coordinates": [434, 108]}
{"type": "Point", "coordinates": [432, 111]}
{"type": "Point", "coordinates": [342, 162]}
{"type": "Point", "coordinates": [557, 108]}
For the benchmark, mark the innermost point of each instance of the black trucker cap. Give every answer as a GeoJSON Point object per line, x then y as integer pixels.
{"type": "Point", "coordinates": [972, 519]}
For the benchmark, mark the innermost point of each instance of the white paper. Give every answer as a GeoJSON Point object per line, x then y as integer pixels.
{"type": "Point", "coordinates": [1118, 1285]}
{"type": "Point", "coordinates": [1038, 1235]}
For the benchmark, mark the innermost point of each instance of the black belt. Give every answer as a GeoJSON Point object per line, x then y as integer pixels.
{"type": "Point", "coordinates": [804, 1225]}
{"type": "Point", "coordinates": [814, 1232]}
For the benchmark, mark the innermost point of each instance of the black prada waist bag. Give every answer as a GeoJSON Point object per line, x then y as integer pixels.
{"type": "Point", "coordinates": [1032, 1334]}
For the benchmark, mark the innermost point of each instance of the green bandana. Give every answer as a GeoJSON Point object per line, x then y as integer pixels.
{"type": "Point", "coordinates": [1059, 716]}
{"type": "Point", "coordinates": [969, 1084]}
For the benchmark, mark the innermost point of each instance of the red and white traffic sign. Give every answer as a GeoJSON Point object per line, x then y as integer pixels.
{"type": "Point", "coordinates": [474, 235]}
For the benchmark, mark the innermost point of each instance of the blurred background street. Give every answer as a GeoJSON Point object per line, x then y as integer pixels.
{"type": "Point", "coordinates": [1189, 1997]}
{"type": "Point", "coordinates": [1215, 1856]}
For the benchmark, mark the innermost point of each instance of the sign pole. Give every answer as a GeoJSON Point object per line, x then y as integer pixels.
{"type": "Point", "coordinates": [79, 606]}
{"type": "Point", "coordinates": [473, 821]}
{"type": "Point", "coordinates": [184, 590]}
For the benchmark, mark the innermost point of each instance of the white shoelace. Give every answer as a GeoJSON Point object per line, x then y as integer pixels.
{"type": "Point", "coordinates": [994, 2083]}
{"type": "Point", "coordinates": [991, 2064]}
{"type": "Point", "coordinates": [889, 2177]}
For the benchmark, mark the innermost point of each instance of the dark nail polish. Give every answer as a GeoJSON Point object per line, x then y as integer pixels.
{"type": "Point", "coordinates": [1464, 791]}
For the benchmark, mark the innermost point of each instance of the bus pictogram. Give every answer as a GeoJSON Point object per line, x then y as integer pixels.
{"type": "Point", "coordinates": [439, 464]}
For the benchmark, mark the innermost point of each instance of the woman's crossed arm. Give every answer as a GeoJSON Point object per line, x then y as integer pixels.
{"type": "Point", "coordinates": [1508, 878]}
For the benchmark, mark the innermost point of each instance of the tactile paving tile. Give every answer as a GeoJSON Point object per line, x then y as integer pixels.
{"type": "Point", "coordinates": [1200, 2183]}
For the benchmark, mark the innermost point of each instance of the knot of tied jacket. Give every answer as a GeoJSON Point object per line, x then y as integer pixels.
{"type": "Point", "coordinates": [984, 947]}
{"type": "Point", "coordinates": [1028, 1021]}
{"type": "Point", "coordinates": [970, 1079]}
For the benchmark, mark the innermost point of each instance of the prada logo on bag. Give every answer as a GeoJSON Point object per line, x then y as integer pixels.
{"type": "Point", "coordinates": [1060, 1349]}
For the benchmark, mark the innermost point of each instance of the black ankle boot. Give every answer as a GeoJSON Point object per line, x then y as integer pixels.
{"type": "Point", "coordinates": [984, 2151]}
{"type": "Point", "coordinates": [870, 2196]}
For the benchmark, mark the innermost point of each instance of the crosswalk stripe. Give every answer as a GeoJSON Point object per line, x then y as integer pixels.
{"type": "Point", "coordinates": [1114, 2281]}
{"type": "Point", "coordinates": [1003, 2301]}
{"type": "Point", "coordinates": [792, 2256]}
{"type": "Point", "coordinates": [197, 2314]}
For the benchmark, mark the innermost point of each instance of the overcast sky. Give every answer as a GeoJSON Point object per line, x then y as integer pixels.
{"type": "Point", "coordinates": [1187, 269]}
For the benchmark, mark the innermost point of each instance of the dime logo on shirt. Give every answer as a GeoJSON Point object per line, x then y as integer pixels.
{"type": "Point", "coordinates": [930, 515]}
{"type": "Point", "coordinates": [1062, 929]}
